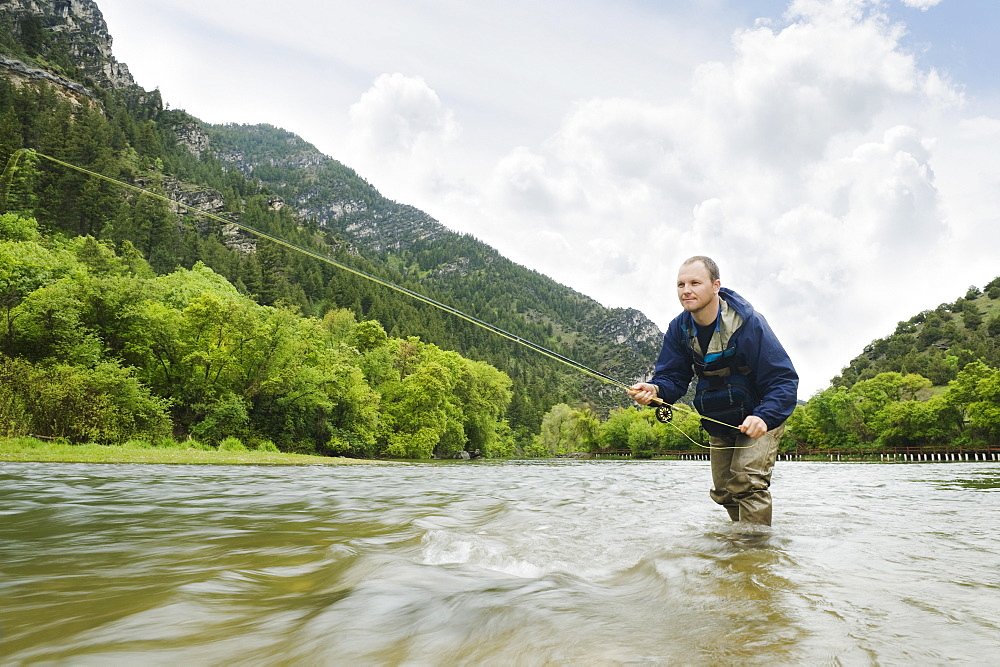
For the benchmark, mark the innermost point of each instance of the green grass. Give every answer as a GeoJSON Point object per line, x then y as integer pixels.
{"type": "Point", "coordinates": [136, 451]}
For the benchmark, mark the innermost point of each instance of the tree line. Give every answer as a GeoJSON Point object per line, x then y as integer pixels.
{"type": "Point", "coordinates": [98, 347]}
{"type": "Point", "coordinates": [933, 384]}
{"type": "Point", "coordinates": [133, 139]}
{"type": "Point", "coordinates": [888, 411]}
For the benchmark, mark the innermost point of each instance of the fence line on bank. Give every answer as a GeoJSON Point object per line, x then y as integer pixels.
{"type": "Point", "coordinates": [891, 454]}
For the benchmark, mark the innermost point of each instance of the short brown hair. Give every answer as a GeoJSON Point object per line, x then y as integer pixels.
{"type": "Point", "coordinates": [713, 268]}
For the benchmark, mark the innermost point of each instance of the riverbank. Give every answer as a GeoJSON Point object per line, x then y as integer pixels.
{"type": "Point", "coordinates": [33, 449]}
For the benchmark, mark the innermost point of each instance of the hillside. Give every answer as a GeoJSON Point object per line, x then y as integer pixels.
{"type": "Point", "coordinates": [931, 386]}
{"type": "Point", "coordinates": [456, 268]}
{"type": "Point", "coordinates": [63, 94]}
{"type": "Point", "coordinates": [935, 343]}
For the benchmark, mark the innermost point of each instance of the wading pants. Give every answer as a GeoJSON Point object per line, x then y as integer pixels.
{"type": "Point", "coordinates": [741, 477]}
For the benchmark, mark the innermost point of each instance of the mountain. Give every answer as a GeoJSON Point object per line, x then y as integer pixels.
{"type": "Point", "coordinates": [931, 386]}
{"type": "Point", "coordinates": [66, 95]}
{"type": "Point", "coordinates": [461, 270]}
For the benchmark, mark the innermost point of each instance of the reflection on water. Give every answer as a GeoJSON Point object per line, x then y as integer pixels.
{"type": "Point", "coordinates": [529, 563]}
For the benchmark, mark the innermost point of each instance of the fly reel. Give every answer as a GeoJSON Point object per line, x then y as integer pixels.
{"type": "Point", "coordinates": [664, 414]}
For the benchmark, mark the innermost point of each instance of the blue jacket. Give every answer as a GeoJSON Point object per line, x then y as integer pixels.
{"type": "Point", "coordinates": [752, 345]}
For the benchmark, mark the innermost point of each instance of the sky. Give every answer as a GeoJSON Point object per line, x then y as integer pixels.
{"type": "Point", "coordinates": [837, 158]}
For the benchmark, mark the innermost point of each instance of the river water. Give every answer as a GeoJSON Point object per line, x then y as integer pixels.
{"type": "Point", "coordinates": [531, 563]}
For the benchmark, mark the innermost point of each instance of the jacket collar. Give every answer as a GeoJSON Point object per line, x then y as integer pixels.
{"type": "Point", "coordinates": [726, 324]}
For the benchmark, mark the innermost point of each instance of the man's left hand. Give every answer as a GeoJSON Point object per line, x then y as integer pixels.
{"type": "Point", "coordinates": [753, 427]}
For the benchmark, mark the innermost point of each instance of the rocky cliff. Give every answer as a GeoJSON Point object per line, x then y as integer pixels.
{"type": "Point", "coordinates": [321, 188]}
{"type": "Point", "coordinates": [67, 35]}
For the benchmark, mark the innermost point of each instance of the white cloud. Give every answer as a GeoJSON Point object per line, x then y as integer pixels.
{"type": "Point", "coordinates": [922, 5]}
{"type": "Point", "coordinates": [401, 132]}
{"type": "Point", "coordinates": [805, 165]}
{"type": "Point", "coordinates": [402, 115]}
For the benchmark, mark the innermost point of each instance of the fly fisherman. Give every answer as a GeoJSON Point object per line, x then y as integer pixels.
{"type": "Point", "coordinates": [745, 379]}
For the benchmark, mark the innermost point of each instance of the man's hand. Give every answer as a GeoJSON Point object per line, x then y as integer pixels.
{"type": "Point", "coordinates": [643, 393]}
{"type": "Point", "coordinates": [753, 427]}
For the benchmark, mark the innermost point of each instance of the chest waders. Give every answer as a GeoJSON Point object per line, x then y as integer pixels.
{"type": "Point", "coordinates": [741, 475]}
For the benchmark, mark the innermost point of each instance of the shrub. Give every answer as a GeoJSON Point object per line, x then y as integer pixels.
{"type": "Point", "coordinates": [105, 404]}
{"type": "Point", "coordinates": [222, 417]}
{"type": "Point", "coordinates": [537, 450]}
{"type": "Point", "coordinates": [232, 444]}
{"type": "Point", "coordinates": [267, 446]}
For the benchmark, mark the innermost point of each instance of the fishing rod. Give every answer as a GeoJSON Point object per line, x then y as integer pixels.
{"type": "Point", "coordinates": [663, 410]}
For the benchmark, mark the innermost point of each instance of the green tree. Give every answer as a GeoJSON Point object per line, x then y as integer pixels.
{"type": "Point", "coordinates": [417, 414]}
{"type": "Point", "coordinates": [103, 404]}
{"type": "Point", "coordinates": [976, 393]}
{"type": "Point", "coordinates": [25, 266]}
{"type": "Point", "coordinates": [971, 317]}
{"type": "Point", "coordinates": [368, 335]}
{"type": "Point", "coordinates": [931, 423]}
{"type": "Point", "coordinates": [566, 430]}
{"type": "Point", "coordinates": [993, 327]}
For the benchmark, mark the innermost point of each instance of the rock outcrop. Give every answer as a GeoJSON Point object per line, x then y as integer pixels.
{"type": "Point", "coordinates": [20, 73]}
{"type": "Point", "coordinates": [74, 30]}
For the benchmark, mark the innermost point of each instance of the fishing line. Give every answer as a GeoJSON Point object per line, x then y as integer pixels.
{"type": "Point", "coordinates": [5, 180]}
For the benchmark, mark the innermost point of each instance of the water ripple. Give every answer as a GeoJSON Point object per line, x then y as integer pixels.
{"type": "Point", "coordinates": [525, 563]}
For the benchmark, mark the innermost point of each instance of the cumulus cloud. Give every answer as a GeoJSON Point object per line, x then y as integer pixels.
{"type": "Point", "coordinates": [922, 5]}
{"type": "Point", "coordinates": [805, 165]}
{"type": "Point", "coordinates": [401, 114]}
{"type": "Point", "coordinates": [401, 133]}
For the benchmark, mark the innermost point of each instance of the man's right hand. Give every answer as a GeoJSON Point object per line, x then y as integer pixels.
{"type": "Point", "coordinates": [643, 393]}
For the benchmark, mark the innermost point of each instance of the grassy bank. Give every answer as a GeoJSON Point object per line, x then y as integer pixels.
{"type": "Point", "coordinates": [33, 449]}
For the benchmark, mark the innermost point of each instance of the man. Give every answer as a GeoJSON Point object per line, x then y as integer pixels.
{"type": "Point", "coordinates": [745, 381]}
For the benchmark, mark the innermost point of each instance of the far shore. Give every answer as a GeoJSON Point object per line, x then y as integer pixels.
{"type": "Point", "coordinates": [35, 450]}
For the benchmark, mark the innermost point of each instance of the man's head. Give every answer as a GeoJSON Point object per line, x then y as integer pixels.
{"type": "Point", "coordinates": [708, 262]}
{"type": "Point", "coordinates": [698, 286]}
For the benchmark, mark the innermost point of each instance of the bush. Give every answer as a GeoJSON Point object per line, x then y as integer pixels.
{"type": "Point", "coordinates": [15, 418]}
{"type": "Point", "coordinates": [232, 444]}
{"type": "Point", "coordinates": [197, 445]}
{"type": "Point", "coordinates": [221, 418]}
{"type": "Point", "coordinates": [302, 447]}
{"type": "Point", "coordinates": [537, 450]}
{"type": "Point", "coordinates": [105, 404]}
{"type": "Point", "coordinates": [27, 442]}
{"type": "Point", "coordinates": [267, 446]}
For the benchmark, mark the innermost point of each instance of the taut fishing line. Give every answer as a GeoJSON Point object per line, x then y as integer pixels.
{"type": "Point", "coordinates": [664, 410]}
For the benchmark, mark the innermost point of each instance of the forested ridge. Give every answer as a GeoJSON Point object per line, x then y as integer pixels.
{"type": "Point", "coordinates": [933, 383]}
{"type": "Point", "coordinates": [453, 268]}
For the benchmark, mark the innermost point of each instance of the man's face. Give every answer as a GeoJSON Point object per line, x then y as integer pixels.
{"type": "Point", "coordinates": [695, 288]}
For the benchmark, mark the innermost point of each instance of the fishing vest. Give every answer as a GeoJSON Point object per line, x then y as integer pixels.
{"type": "Point", "coordinates": [725, 389]}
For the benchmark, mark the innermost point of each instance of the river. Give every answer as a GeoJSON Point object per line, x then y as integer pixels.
{"type": "Point", "coordinates": [528, 563]}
